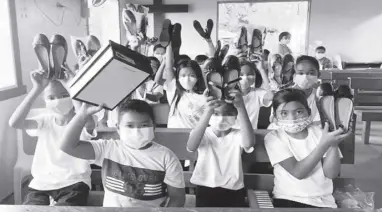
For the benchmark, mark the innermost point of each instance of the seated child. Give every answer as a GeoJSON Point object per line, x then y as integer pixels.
{"type": "Point", "coordinates": [150, 91]}
{"type": "Point", "coordinates": [325, 63]}
{"type": "Point", "coordinates": [136, 171]}
{"type": "Point", "coordinates": [64, 178]}
{"type": "Point", "coordinates": [284, 40]}
{"type": "Point", "coordinates": [305, 157]}
{"type": "Point", "coordinates": [218, 173]}
{"type": "Point", "coordinates": [305, 79]}
{"type": "Point", "coordinates": [200, 59]}
{"type": "Point", "coordinates": [254, 97]}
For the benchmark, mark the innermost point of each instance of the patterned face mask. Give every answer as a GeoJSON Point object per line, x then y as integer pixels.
{"type": "Point", "coordinates": [294, 126]}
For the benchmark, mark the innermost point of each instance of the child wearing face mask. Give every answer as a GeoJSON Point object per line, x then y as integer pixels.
{"type": "Point", "coordinates": [159, 52]}
{"type": "Point", "coordinates": [325, 63]}
{"type": "Point", "coordinates": [305, 157]}
{"type": "Point", "coordinates": [284, 40]}
{"type": "Point", "coordinates": [56, 175]}
{"type": "Point", "coordinates": [274, 72]}
{"type": "Point", "coordinates": [150, 91]}
{"type": "Point", "coordinates": [218, 174]}
{"type": "Point", "coordinates": [254, 97]}
{"type": "Point", "coordinates": [137, 171]}
{"type": "Point", "coordinates": [184, 89]}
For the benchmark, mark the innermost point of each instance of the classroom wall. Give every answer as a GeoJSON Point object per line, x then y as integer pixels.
{"type": "Point", "coordinates": [30, 21]}
{"type": "Point", "coordinates": [351, 28]}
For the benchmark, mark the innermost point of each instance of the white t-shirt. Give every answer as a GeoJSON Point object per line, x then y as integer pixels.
{"type": "Point", "coordinates": [219, 161]}
{"type": "Point", "coordinates": [316, 189]}
{"type": "Point", "coordinates": [189, 109]}
{"type": "Point", "coordinates": [52, 168]}
{"type": "Point", "coordinates": [151, 87]}
{"type": "Point", "coordinates": [253, 101]}
{"type": "Point", "coordinates": [312, 105]}
{"type": "Point", "coordinates": [136, 178]}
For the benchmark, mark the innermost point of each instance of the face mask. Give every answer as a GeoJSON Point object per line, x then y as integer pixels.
{"type": "Point", "coordinates": [222, 123]}
{"type": "Point", "coordinates": [246, 82]}
{"type": "Point", "coordinates": [136, 138]}
{"type": "Point", "coordinates": [187, 83]}
{"type": "Point", "coordinates": [60, 106]}
{"type": "Point", "coordinates": [305, 81]}
{"type": "Point", "coordinates": [294, 126]}
{"type": "Point", "coordinates": [319, 56]}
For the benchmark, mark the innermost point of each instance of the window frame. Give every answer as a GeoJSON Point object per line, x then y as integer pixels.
{"type": "Point", "coordinates": [18, 89]}
{"type": "Point", "coordinates": [267, 1]}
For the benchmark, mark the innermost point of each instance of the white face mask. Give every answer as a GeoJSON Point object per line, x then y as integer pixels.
{"type": "Point", "coordinates": [60, 106]}
{"type": "Point", "coordinates": [319, 56]}
{"type": "Point", "coordinates": [294, 126]}
{"type": "Point", "coordinates": [222, 123]}
{"type": "Point", "coordinates": [187, 83]}
{"type": "Point", "coordinates": [247, 81]}
{"type": "Point", "coordinates": [136, 138]}
{"type": "Point", "coordinates": [305, 81]}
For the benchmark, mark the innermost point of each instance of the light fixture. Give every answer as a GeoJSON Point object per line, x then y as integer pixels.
{"type": "Point", "coordinates": [97, 3]}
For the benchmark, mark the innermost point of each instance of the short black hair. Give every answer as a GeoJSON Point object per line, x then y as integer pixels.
{"type": "Point", "coordinates": [321, 48]}
{"type": "Point", "coordinates": [200, 86]}
{"type": "Point", "coordinates": [182, 58]}
{"type": "Point", "coordinates": [154, 59]}
{"type": "Point", "coordinates": [258, 78]}
{"type": "Point", "coordinates": [135, 105]}
{"type": "Point", "coordinates": [306, 58]}
{"type": "Point", "coordinates": [290, 95]}
{"type": "Point", "coordinates": [158, 46]}
{"type": "Point", "coordinates": [284, 34]}
{"type": "Point", "coordinates": [201, 58]}
{"type": "Point", "coordinates": [228, 107]}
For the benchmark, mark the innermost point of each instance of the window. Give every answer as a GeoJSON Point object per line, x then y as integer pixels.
{"type": "Point", "coordinates": [10, 72]}
{"type": "Point", "coordinates": [273, 17]}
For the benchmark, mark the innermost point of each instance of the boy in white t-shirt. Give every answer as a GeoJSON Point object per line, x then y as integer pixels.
{"type": "Point", "coordinates": [218, 173]}
{"type": "Point", "coordinates": [56, 175]}
{"type": "Point", "coordinates": [136, 171]}
{"type": "Point", "coordinates": [305, 157]}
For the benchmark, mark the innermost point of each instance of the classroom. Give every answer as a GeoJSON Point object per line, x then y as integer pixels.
{"type": "Point", "coordinates": [202, 105]}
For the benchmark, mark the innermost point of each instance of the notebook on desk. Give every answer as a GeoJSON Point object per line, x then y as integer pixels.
{"type": "Point", "coordinates": [112, 75]}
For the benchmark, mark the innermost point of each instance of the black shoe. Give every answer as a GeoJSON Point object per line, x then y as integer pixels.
{"type": "Point", "coordinates": [199, 29]}
{"type": "Point", "coordinates": [210, 26]}
{"type": "Point", "coordinates": [176, 40]}
{"type": "Point", "coordinates": [165, 35]}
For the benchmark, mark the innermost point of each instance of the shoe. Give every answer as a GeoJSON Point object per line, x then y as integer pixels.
{"type": "Point", "coordinates": [129, 22]}
{"type": "Point", "coordinates": [210, 26]}
{"type": "Point", "coordinates": [325, 89]}
{"type": "Point", "coordinates": [176, 39]}
{"type": "Point", "coordinates": [165, 35]}
{"type": "Point", "coordinates": [93, 45]}
{"type": "Point", "coordinates": [205, 33]}
{"type": "Point", "coordinates": [58, 53]}
{"type": "Point", "coordinates": [243, 40]}
{"type": "Point", "coordinates": [223, 52]}
{"type": "Point", "coordinates": [256, 41]}
{"type": "Point", "coordinates": [344, 107]}
{"type": "Point", "coordinates": [231, 79]}
{"type": "Point", "coordinates": [199, 29]}
{"type": "Point", "coordinates": [214, 84]}
{"type": "Point", "coordinates": [81, 51]}
{"type": "Point", "coordinates": [41, 47]}
{"type": "Point", "coordinates": [343, 91]}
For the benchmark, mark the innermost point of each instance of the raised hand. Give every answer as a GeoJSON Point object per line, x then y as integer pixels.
{"type": "Point", "coordinates": [333, 138]}
{"type": "Point", "coordinates": [89, 110]}
{"type": "Point", "coordinates": [238, 101]}
{"type": "Point", "coordinates": [211, 102]}
{"type": "Point", "coordinates": [38, 79]}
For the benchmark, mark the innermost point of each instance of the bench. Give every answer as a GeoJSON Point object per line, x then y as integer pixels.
{"type": "Point", "coordinates": [341, 77]}
{"type": "Point", "coordinates": [176, 139]}
{"type": "Point", "coordinates": [367, 100]}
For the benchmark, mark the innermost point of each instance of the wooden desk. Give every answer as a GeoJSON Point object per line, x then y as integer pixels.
{"type": "Point", "coordinates": [27, 208]}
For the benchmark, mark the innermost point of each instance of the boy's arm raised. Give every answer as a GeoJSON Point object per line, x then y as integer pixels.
{"type": "Point", "coordinates": [248, 136]}
{"type": "Point", "coordinates": [70, 142]}
{"type": "Point", "coordinates": [18, 117]}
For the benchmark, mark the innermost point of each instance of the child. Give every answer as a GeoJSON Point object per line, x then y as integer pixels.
{"type": "Point", "coordinates": [325, 63]}
{"type": "Point", "coordinates": [150, 91]}
{"type": "Point", "coordinates": [305, 157]}
{"type": "Point", "coordinates": [55, 174]}
{"type": "Point", "coordinates": [218, 173]}
{"type": "Point", "coordinates": [159, 51]}
{"type": "Point", "coordinates": [136, 171]}
{"type": "Point", "coordinates": [284, 39]}
{"type": "Point", "coordinates": [184, 89]}
{"type": "Point", "coordinates": [287, 70]}
{"type": "Point", "coordinates": [200, 59]}
{"type": "Point", "coordinates": [274, 72]}
{"type": "Point", "coordinates": [253, 96]}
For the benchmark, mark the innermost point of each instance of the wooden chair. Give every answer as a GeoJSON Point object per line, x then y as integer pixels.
{"type": "Point", "coordinates": [257, 185]}
{"type": "Point", "coordinates": [367, 100]}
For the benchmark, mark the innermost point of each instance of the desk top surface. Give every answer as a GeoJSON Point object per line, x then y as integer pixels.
{"type": "Point", "coordinates": [27, 208]}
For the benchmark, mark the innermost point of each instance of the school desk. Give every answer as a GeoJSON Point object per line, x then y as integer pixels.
{"type": "Point", "coordinates": [27, 208]}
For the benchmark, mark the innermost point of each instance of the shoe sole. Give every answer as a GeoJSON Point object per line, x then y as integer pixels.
{"type": "Point", "coordinates": [344, 112]}
{"type": "Point", "coordinates": [199, 29]}
{"type": "Point", "coordinates": [210, 26]}
{"type": "Point", "coordinates": [327, 112]}
{"type": "Point", "coordinates": [231, 80]}
{"type": "Point", "coordinates": [176, 40]}
{"type": "Point", "coordinates": [165, 35]}
{"type": "Point", "coordinates": [214, 80]}
{"type": "Point", "coordinates": [41, 47]}
{"type": "Point", "coordinates": [256, 41]}
{"type": "Point", "coordinates": [59, 52]}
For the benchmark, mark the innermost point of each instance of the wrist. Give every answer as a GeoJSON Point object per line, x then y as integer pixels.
{"type": "Point", "coordinates": [37, 89]}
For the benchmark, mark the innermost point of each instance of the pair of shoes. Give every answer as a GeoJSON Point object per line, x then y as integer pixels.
{"type": "Point", "coordinates": [134, 19]}
{"type": "Point", "coordinates": [171, 34]}
{"type": "Point", "coordinates": [51, 55]}
{"type": "Point", "coordinates": [205, 33]}
{"type": "Point", "coordinates": [335, 107]}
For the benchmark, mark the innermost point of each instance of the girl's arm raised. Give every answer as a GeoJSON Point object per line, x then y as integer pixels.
{"type": "Point", "coordinates": [169, 63]}
{"type": "Point", "coordinates": [159, 75]}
